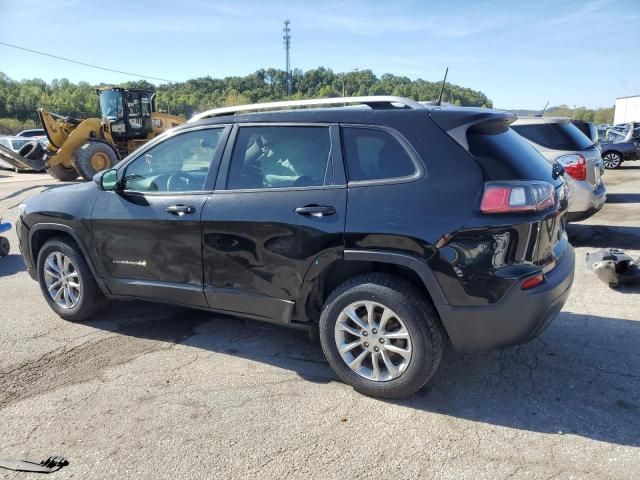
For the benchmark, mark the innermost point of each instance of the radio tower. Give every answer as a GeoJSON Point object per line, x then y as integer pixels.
{"type": "Point", "coordinates": [287, 47]}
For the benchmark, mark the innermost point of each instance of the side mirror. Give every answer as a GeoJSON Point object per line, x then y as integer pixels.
{"type": "Point", "coordinates": [107, 180]}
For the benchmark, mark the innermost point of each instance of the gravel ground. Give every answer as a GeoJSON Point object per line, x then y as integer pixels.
{"type": "Point", "coordinates": [150, 391]}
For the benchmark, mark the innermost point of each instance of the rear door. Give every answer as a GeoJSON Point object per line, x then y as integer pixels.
{"type": "Point", "coordinates": [277, 209]}
{"type": "Point", "coordinates": [147, 236]}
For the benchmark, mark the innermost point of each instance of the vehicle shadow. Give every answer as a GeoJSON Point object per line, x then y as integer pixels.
{"type": "Point", "coordinates": [581, 377]}
{"type": "Point", "coordinates": [11, 264]}
{"type": "Point", "coordinates": [603, 236]}
{"type": "Point", "coordinates": [623, 197]}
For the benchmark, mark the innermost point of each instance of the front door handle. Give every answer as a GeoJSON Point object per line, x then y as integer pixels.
{"type": "Point", "coordinates": [316, 210]}
{"type": "Point", "coordinates": [181, 210]}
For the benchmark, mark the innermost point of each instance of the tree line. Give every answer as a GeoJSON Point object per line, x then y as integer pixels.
{"type": "Point", "coordinates": [20, 99]}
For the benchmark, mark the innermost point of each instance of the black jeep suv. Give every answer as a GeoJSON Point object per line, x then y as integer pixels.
{"type": "Point", "coordinates": [391, 227]}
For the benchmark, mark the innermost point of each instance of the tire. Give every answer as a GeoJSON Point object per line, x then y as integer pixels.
{"type": "Point", "coordinates": [62, 173]}
{"type": "Point", "coordinates": [4, 246]}
{"type": "Point", "coordinates": [86, 300]}
{"type": "Point", "coordinates": [408, 307]}
{"type": "Point", "coordinates": [612, 160]}
{"type": "Point", "coordinates": [93, 157]}
{"type": "Point", "coordinates": [32, 150]}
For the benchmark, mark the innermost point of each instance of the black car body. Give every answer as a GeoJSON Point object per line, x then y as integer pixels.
{"type": "Point", "coordinates": [626, 147]}
{"type": "Point", "coordinates": [276, 254]}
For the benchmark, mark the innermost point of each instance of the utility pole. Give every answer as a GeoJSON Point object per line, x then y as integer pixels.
{"type": "Point", "coordinates": [287, 47]}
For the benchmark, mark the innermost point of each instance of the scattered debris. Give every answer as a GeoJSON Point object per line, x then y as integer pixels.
{"type": "Point", "coordinates": [51, 464]}
{"type": "Point", "coordinates": [614, 267]}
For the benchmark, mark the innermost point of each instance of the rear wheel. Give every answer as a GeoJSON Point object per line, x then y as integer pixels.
{"type": "Point", "coordinates": [62, 173]}
{"type": "Point", "coordinates": [381, 335]}
{"type": "Point", "coordinates": [93, 157]}
{"type": "Point", "coordinates": [66, 281]}
{"type": "Point", "coordinates": [612, 160]}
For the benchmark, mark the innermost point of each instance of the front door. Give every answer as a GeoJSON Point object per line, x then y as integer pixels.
{"type": "Point", "coordinates": [147, 235]}
{"type": "Point", "coordinates": [275, 211]}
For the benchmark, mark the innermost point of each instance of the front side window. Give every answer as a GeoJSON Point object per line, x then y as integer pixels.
{"type": "Point", "coordinates": [373, 154]}
{"type": "Point", "coordinates": [279, 157]}
{"type": "Point", "coordinates": [179, 164]}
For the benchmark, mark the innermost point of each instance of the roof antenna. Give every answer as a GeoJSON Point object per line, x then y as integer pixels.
{"type": "Point", "coordinates": [543, 110]}
{"type": "Point", "coordinates": [442, 89]}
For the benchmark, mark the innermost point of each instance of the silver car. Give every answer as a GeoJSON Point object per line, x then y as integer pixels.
{"type": "Point", "coordinates": [558, 140]}
{"type": "Point", "coordinates": [13, 143]}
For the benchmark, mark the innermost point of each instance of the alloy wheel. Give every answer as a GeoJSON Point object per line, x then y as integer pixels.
{"type": "Point", "coordinates": [62, 280]}
{"type": "Point", "coordinates": [373, 341]}
{"type": "Point", "coordinates": [611, 160]}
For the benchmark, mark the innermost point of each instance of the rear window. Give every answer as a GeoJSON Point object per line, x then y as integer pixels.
{"type": "Point", "coordinates": [555, 136]}
{"type": "Point", "coordinates": [505, 155]}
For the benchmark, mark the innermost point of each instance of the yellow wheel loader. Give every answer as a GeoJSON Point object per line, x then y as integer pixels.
{"type": "Point", "coordinates": [85, 147]}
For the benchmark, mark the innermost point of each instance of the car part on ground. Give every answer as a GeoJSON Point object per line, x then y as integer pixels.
{"type": "Point", "coordinates": [49, 465]}
{"type": "Point", "coordinates": [4, 241]}
{"type": "Point", "coordinates": [614, 267]}
{"type": "Point", "coordinates": [558, 140]}
{"type": "Point", "coordinates": [342, 220]}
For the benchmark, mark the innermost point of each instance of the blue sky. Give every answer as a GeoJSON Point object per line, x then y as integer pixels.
{"type": "Point", "coordinates": [519, 53]}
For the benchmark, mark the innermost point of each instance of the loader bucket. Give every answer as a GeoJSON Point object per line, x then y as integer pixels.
{"type": "Point", "coordinates": [20, 162]}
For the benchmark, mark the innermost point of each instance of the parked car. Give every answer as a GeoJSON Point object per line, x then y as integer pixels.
{"type": "Point", "coordinates": [558, 140]}
{"type": "Point", "coordinates": [32, 133]}
{"type": "Point", "coordinates": [387, 230]}
{"type": "Point", "coordinates": [13, 143]}
{"type": "Point", "coordinates": [622, 147]}
{"type": "Point", "coordinates": [588, 128]}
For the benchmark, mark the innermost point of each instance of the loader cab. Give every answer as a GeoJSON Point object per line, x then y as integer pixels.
{"type": "Point", "coordinates": [127, 111]}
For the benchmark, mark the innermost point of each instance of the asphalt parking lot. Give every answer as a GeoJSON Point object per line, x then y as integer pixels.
{"type": "Point", "coordinates": [150, 391]}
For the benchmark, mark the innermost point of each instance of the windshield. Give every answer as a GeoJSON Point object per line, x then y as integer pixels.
{"type": "Point", "coordinates": [556, 136]}
{"type": "Point", "coordinates": [111, 104]}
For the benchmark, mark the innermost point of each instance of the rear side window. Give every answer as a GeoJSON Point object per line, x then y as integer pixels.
{"type": "Point", "coordinates": [373, 154]}
{"type": "Point", "coordinates": [279, 157]}
{"type": "Point", "coordinates": [505, 155]}
{"type": "Point", "coordinates": [555, 136]}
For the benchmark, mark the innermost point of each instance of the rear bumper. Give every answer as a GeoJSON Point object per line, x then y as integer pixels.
{"type": "Point", "coordinates": [518, 317]}
{"type": "Point", "coordinates": [585, 201]}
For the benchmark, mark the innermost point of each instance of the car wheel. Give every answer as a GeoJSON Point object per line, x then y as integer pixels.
{"type": "Point", "coordinates": [381, 335]}
{"type": "Point", "coordinates": [62, 173]}
{"type": "Point", "coordinates": [32, 150]}
{"type": "Point", "coordinates": [67, 282]}
{"type": "Point", "coordinates": [93, 157]}
{"type": "Point", "coordinates": [612, 160]}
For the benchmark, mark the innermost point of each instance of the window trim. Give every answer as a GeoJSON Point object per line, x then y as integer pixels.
{"type": "Point", "coordinates": [420, 170]}
{"type": "Point", "coordinates": [223, 176]}
{"type": "Point", "coordinates": [214, 164]}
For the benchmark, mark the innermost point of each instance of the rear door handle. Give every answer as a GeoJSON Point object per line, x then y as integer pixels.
{"type": "Point", "coordinates": [181, 210]}
{"type": "Point", "coordinates": [316, 210]}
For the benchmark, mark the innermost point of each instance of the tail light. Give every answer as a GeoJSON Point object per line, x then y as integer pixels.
{"type": "Point", "coordinates": [517, 196]}
{"type": "Point", "coordinates": [532, 282]}
{"type": "Point", "coordinates": [574, 164]}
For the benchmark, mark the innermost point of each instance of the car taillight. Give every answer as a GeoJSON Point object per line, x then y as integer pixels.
{"type": "Point", "coordinates": [517, 196]}
{"type": "Point", "coordinates": [574, 164]}
{"type": "Point", "coordinates": [532, 282]}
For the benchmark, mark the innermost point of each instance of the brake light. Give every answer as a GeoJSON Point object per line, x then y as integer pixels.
{"type": "Point", "coordinates": [532, 282]}
{"type": "Point", "coordinates": [517, 196]}
{"type": "Point", "coordinates": [574, 164]}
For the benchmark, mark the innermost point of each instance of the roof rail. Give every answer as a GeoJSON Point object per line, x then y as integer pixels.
{"type": "Point", "coordinates": [376, 101]}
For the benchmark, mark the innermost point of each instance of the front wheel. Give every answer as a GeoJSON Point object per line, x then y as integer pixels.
{"type": "Point", "coordinates": [612, 160]}
{"type": "Point", "coordinates": [66, 281]}
{"type": "Point", "coordinates": [381, 335]}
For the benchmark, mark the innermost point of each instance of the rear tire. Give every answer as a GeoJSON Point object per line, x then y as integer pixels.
{"type": "Point", "coordinates": [612, 160]}
{"type": "Point", "coordinates": [406, 349]}
{"type": "Point", "coordinates": [66, 281]}
{"type": "Point", "coordinates": [62, 173]}
{"type": "Point", "coordinates": [93, 157]}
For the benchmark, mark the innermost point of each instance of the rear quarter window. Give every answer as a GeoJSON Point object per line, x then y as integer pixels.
{"type": "Point", "coordinates": [374, 154]}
